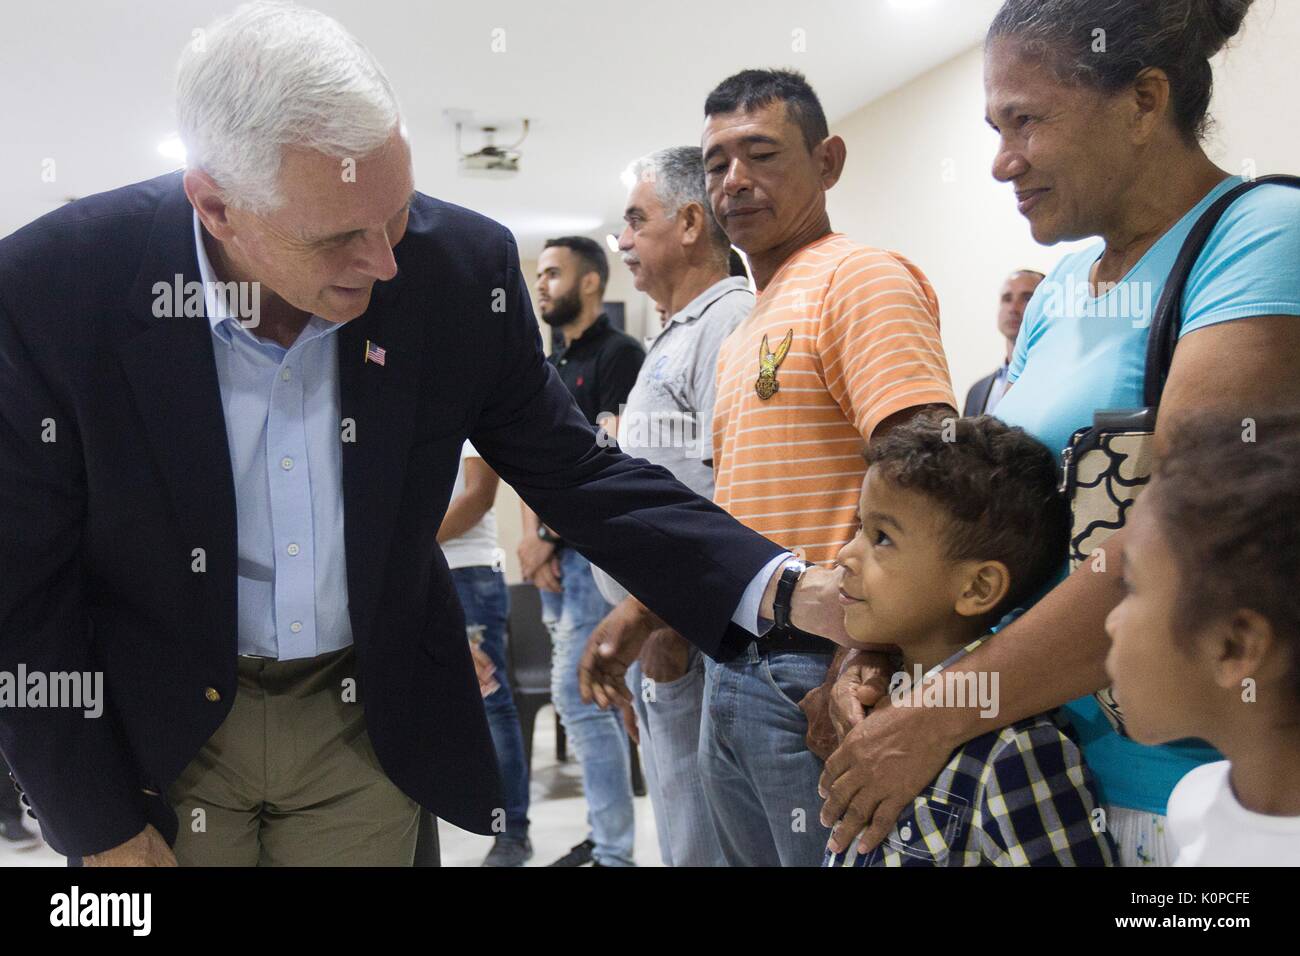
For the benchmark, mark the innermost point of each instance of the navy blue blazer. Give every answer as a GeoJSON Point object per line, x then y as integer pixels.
{"type": "Point", "coordinates": [100, 525]}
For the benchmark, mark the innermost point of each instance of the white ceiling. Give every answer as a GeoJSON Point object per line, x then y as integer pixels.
{"type": "Point", "coordinates": [88, 83]}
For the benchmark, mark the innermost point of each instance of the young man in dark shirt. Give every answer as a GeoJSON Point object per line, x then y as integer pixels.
{"type": "Point", "coordinates": [599, 365]}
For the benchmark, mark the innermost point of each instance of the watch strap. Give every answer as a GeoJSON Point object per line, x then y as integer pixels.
{"type": "Point", "coordinates": [781, 604]}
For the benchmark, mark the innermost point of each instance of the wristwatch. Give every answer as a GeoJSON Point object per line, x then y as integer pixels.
{"type": "Point", "coordinates": [790, 575]}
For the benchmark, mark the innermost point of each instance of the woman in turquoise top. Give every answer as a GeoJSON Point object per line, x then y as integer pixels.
{"type": "Point", "coordinates": [1101, 108]}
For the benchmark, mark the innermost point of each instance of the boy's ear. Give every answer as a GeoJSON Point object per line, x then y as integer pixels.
{"type": "Point", "coordinates": [1244, 647]}
{"type": "Point", "coordinates": [985, 584]}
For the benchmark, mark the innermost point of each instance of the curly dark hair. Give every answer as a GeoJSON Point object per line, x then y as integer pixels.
{"type": "Point", "coordinates": [1230, 509]}
{"type": "Point", "coordinates": [996, 482]}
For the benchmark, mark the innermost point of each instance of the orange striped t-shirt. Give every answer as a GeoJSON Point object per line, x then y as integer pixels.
{"type": "Point", "coordinates": [865, 345]}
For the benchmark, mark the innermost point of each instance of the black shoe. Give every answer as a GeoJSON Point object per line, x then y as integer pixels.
{"type": "Point", "coordinates": [580, 855]}
{"type": "Point", "coordinates": [15, 833]}
{"type": "Point", "coordinates": [509, 851]}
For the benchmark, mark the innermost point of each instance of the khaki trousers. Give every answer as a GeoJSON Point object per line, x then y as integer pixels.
{"type": "Point", "coordinates": [290, 778]}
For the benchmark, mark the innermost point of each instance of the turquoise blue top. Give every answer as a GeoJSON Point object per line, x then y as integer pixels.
{"type": "Point", "coordinates": [1076, 354]}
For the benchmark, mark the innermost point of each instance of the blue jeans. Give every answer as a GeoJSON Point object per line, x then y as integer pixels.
{"type": "Point", "coordinates": [669, 715]}
{"type": "Point", "coordinates": [483, 595]}
{"type": "Point", "coordinates": [759, 775]}
{"type": "Point", "coordinates": [598, 736]}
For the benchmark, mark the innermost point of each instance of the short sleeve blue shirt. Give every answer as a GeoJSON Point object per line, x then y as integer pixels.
{"type": "Point", "coordinates": [1077, 353]}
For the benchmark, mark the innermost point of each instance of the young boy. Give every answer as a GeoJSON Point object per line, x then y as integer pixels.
{"type": "Point", "coordinates": [1206, 642]}
{"type": "Point", "coordinates": [961, 522]}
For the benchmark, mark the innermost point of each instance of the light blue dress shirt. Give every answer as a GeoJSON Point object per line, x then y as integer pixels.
{"type": "Point", "coordinates": [746, 615]}
{"type": "Point", "coordinates": [282, 424]}
{"type": "Point", "coordinates": [283, 421]}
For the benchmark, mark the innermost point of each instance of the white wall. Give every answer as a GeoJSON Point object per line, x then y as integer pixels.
{"type": "Point", "coordinates": [918, 176]}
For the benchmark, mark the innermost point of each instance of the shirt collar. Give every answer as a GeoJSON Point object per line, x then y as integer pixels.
{"type": "Point", "coordinates": [697, 306]}
{"type": "Point", "coordinates": [215, 309]}
{"type": "Point", "coordinates": [591, 333]}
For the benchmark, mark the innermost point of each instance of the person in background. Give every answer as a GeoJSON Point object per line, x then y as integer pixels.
{"type": "Point", "coordinates": [1104, 144]}
{"type": "Point", "coordinates": [1018, 289]}
{"type": "Point", "coordinates": [468, 535]}
{"type": "Point", "coordinates": [842, 345]}
{"type": "Point", "coordinates": [1206, 641]}
{"type": "Point", "coordinates": [678, 255]}
{"type": "Point", "coordinates": [599, 365]}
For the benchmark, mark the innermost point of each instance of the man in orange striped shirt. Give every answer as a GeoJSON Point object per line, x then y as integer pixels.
{"type": "Point", "coordinates": [843, 343]}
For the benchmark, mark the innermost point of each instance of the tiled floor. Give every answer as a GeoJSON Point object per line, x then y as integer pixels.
{"type": "Point", "coordinates": [558, 815]}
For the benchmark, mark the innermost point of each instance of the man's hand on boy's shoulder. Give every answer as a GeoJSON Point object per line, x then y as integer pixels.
{"type": "Point", "coordinates": [862, 682]}
{"type": "Point", "coordinates": [855, 682]}
{"type": "Point", "coordinates": [821, 737]}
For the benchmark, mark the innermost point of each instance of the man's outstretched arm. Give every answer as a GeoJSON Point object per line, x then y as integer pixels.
{"type": "Point", "coordinates": [682, 556]}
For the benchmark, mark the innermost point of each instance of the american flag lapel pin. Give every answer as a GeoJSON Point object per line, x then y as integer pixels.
{"type": "Point", "coordinates": [374, 353]}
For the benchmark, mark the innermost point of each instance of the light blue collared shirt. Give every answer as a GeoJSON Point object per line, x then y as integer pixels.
{"type": "Point", "coordinates": [283, 415]}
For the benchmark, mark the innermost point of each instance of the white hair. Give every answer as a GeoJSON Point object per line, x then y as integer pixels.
{"type": "Point", "coordinates": [271, 75]}
{"type": "Point", "coordinates": [678, 177]}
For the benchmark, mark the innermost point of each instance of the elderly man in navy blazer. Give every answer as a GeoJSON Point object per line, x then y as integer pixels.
{"type": "Point", "coordinates": [232, 403]}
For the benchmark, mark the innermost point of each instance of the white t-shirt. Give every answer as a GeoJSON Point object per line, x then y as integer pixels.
{"type": "Point", "coordinates": [1210, 828]}
{"type": "Point", "coordinates": [478, 545]}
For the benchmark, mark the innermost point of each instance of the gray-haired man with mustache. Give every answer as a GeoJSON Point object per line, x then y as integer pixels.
{"type": "Point", "coordinates": [678, 255]}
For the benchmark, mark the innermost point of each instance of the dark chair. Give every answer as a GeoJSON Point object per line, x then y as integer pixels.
{"type": "Point", "coordinates": [638, 779]}
{"type": "Point", "coordinates": [529, 657]}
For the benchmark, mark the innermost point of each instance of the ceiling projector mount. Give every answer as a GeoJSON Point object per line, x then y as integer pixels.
{"type": "Point", "coordinates": [491, 159]}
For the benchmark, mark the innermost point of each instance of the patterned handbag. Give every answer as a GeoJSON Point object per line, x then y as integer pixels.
{"type": "Point", "coordinates": [1107, 465]}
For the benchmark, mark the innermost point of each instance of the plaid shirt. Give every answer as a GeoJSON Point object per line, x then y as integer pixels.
{"type": "Point", "coordinates": [1019, 796]}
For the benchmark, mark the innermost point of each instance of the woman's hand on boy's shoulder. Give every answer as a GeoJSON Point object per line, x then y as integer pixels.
{"type": "Point", "coordinates": [881, 766]}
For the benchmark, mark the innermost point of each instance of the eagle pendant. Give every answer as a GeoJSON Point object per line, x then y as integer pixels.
{"type": "Point", "coordinates": [768, 363]}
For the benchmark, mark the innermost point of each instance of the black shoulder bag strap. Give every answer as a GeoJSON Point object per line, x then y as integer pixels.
{"type": "Point", "coordinates": [1167, 323]}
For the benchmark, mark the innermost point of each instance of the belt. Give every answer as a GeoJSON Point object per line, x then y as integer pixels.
{"type": "Point", "coordinates": [791, 640]}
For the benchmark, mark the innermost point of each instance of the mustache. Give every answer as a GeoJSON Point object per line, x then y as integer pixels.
{"type": "Point", "coordinates": [630, 260]}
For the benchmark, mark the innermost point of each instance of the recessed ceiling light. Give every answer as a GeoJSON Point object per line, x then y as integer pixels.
{"type": "Point", "coordinates": [611, 240]}
{"type": "Point", "coordinates": [172, 148]}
